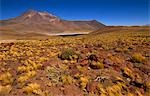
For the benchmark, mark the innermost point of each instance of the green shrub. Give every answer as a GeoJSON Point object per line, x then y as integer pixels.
{"type": "Point", "coordinates": [68, 54]}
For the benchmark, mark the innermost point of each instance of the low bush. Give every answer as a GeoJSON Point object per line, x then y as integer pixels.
{"type": "Point", "coordinates": [32, 88]}
{"type": "Point", "coordinates": [138, 58]}
{"type": "Point", "coordinates": [68, 54]}
{"type": "Point", "coordinates": [93, 57]}
{"type": "Point", "coordinates": [5, 90]}
{"type": "Point", "coordinates": [66, 79]}
{"type": "Point", "coordinates": [83, 82]}
{"type": "Point", "coordinates": [96, 65]}
{"type": "Point", "coordinates": [6, 78]}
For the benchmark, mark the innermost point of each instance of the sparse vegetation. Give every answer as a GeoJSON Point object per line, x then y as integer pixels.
{"type": "Point", "coordinates": [6, 78]}
{"type": "Point", "coordinates": [5, 90]}
{"type": "Point", "coordinates": [111, 64]}
{"type": "Point", "coordinates": [66, 79]}
{"type": "Point", "coordinates": [33, 88]}
{"type": "Point", "coordinates": [68, 54]}
{"type": "Point", "coordinates": [138, 58]}
{"type": "Point", "coordinates": [96, 65]}
{"type": "Point", "coordinates": [83, 82]}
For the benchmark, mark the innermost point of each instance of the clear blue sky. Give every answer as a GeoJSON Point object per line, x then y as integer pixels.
{"type": "Point", "coordinates": [109, 12]}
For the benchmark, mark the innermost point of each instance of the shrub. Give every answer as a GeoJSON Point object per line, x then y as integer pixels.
{"type": "Point", "coordinates": [5, 90]}
{"type": "Point", "coordinates": [81, 69]}
{"type": "Point", "coordinates": [29, 67]}
{"type": "Point", "coordinates": [32, 88]}
{"type": "Point", "coordinates": [66, 79]}
{"type": "Point", "coordinates": [28, 75]}
{"type": "Point", "coordinates": [138, 58]}
{"type": "Point", "coordinates": [101, 89]}
{"type": "Point", "coordinates": [127, 72]}
{"type": "Point", "coordinates": [96, 65]}
{"type": "Point", "coordinates": [22, 69]}
{"type": "Point", "coordinates": [43, 59]}
{"type": "Point", "coordinates": [22, 79]}
{"type": "Point", "coordinates": [6, 78]}
{"type": "Point", "coordinates": [93, 57]}
{"type": "Point", "coordinates": [147, 86]}
{"type": "Point", "coordinates": [55, 73]}
{"type": "Point", "coordinates": [31, 74]}
{"type": "Point", "coordinates": [68, 54]}
{"type": "Point", "coordinates": [116, 89]}
{"type": "Point", "coordinates": [83, 82]}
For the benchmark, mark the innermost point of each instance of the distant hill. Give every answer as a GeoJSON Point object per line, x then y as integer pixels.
{"type": "Point", "coordinates": [45, 23]}
{"type": "Point", "coordinates": [121, 29]}
{"type": "Point", "coordinates": [146, 25]}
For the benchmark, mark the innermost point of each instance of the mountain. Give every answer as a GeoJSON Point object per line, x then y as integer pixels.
{"type": "Point", "coordinates": [45, 23]}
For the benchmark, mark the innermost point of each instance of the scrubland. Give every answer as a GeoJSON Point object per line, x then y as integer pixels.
{"type": "Point", "coordinates": [111, 63]}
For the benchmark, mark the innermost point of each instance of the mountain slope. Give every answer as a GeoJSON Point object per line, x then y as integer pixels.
{"type": "Point", "coordinates": [120, 29]}
{"type": "Point", "coordinates": [45, 23]}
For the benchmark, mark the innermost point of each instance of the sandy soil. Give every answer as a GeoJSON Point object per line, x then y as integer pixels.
{"type": "Point", "coordinates": [6, 41]}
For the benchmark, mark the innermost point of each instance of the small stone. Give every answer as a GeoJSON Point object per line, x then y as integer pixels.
{"type": "Point", "coordinates": [128, 79]}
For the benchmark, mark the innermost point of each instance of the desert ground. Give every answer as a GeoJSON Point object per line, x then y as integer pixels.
{"type": "Point", "coordinates": [113, 61]}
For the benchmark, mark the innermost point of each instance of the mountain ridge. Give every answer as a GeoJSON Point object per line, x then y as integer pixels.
{"type": "Point", "coordinates": [44, 22]}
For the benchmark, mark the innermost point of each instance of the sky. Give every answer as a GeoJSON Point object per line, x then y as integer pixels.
{"type": "Point", "coordinates": [109, 12]}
